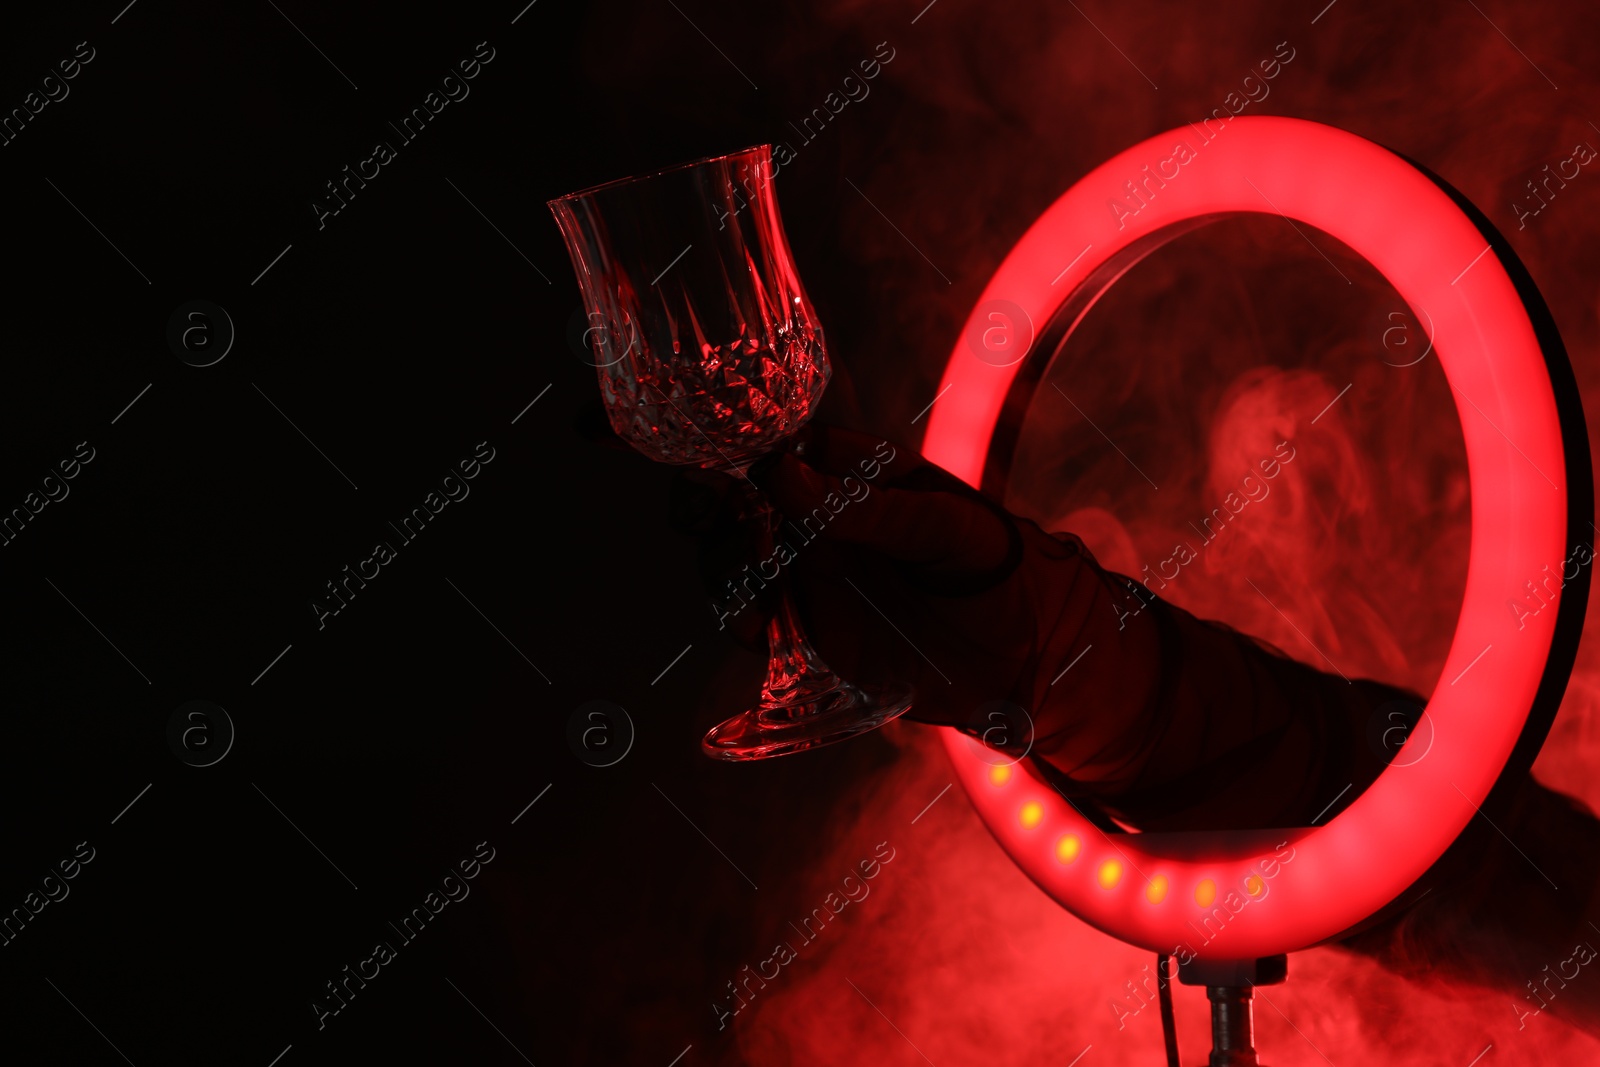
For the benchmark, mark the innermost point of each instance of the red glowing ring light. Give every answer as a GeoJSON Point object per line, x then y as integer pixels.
{"type": "Point", "coordinates": [1155, 890]}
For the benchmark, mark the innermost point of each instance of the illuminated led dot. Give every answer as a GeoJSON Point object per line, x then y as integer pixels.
{"type": "Point", "coordinates": [1156, 891]}
{"type": "Point", "coordinates": [1068, 847]}
{"type": "Point", "coordinates": [1032, 813]}
{"type": "Point", "coordinates": [1205, 893]}
{"type": "Point", "coordinates": [1000, 775]}
{"type": "Point", "coordinates": [1254, 885]}
{"type": "Point", "coordinates": [1110, 874]}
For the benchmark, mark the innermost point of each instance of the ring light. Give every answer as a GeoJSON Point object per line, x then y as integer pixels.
{"type": "Point", "coordinates": [1499, 687]}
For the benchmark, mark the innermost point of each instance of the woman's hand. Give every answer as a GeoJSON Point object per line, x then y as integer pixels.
{"type": "Point", "coordinates": [900, 570]}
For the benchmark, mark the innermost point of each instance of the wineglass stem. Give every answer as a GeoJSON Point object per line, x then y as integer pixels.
{"type": "Point", "coordinates": [803, 703]}
{"type": "Point", "coordinates": [793, 666]}
{"type": "Point", "coordinates": [796, 672]}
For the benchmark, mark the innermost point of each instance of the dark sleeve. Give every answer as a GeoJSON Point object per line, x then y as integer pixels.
{"type": "Point", "coordinates": [1219, 730]}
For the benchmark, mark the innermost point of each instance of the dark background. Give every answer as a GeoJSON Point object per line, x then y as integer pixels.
{"type": "Point", "coordinates": [414, 325]}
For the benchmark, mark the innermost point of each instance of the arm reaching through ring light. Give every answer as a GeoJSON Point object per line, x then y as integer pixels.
{"type": "Point", "coordinates": [1165, 720]}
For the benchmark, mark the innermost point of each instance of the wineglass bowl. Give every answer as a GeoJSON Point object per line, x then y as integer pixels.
{"type": "Point", "coordinates": [709, 354]}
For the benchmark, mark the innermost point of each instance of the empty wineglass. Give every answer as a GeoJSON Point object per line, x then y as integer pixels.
{"type": "Point", "coordinates": [709, 354]}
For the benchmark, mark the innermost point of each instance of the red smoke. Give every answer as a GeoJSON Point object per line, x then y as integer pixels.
{"type": "Point", "coordinates": [1197, 365]}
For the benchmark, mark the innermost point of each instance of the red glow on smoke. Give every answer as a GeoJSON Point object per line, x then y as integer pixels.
{"type": "Point", "coordinates": [983, 119]}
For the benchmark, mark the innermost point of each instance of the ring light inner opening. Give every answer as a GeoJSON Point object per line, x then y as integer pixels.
{"type": "Point", "coordinates": [1257, 429]}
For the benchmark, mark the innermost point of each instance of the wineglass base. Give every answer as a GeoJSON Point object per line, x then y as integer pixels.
{"type": "Point", "coordinates": [779, 728]}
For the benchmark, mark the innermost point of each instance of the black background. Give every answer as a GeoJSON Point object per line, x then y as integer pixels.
{"type": "Point", "coordinates": [397, 336]}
